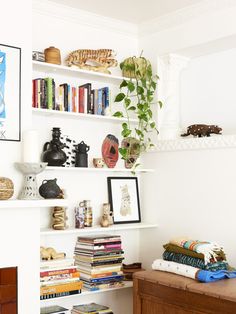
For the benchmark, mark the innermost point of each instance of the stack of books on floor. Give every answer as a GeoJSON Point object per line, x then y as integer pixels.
{"type": "Point", "coordinates": [59, 278]}
{"type": "Point", "coordinates": [91, 308]}
{"type": "Point", "coordinates": [99, 260]}
{"type": "Point", "coordinates": [54, 309]}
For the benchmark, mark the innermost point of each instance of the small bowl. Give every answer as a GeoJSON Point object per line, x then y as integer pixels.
{"type": "Point", "coordinates": [98, 162]}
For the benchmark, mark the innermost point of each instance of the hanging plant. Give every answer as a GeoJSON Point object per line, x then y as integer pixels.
{"type": "Point", "coordinates": [137, 95]}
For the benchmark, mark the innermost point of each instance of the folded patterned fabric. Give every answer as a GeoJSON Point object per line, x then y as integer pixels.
{"type": "Point", "coordinates": [193, 261]}
{"type": "Point", "coordinates": [192, 272]}
{"type": "Point", "coordinates": [210, 250]}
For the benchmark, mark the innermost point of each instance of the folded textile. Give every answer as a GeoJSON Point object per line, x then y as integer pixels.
{"type": "Point", "coordinates": [193, 261]}
{"type": "Point", "coordinates": [176, 268]}
{"type": "Point", "coordinates": [210, 250]}
{"type": "Point", "coordinates": [192, 272]}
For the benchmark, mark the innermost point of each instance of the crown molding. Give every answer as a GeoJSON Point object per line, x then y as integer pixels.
{"type": "Point", "coordinates": [184, 15]}
{"type": "Point", "coordinates": [77, 16]}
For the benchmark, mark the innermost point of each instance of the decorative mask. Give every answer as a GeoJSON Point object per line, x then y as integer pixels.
{"type": "Point", "coordinates": [133, 146]}
{"type": "Point", "coordinates": [110, 151]}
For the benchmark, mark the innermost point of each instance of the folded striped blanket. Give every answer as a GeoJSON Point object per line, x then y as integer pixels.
{"type": "Point", "coordinates": [192, 272]}
{"type": "Point", "coordinates": [210, 250]}
{"type": "Point", "coordinates": [193, 261]}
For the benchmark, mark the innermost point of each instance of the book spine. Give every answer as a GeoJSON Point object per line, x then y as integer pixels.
{"type": "Point", "coordinates": [89, 103]}
{"type": "Point", "coordinates": [107, 101]}
{"type": "Point", "coordinates": [58, 272]}
{"type": "Point", "coordinates": [49, 92]}
{"type": "Point", "coordinates": [92, 101]}
{"type": "Point", "coordinates": [53, 94]}
{"type": "Point", "coordinates": [99, 109]}
{"type": "Point", "coordinates": [69, 99]}
{"type": "Point", "coordinates": [81, 99]}
{"type": "Point", "coordinates": [66, 97]}
{"type": "Point", "coordinates": [95, 101]}
{"type": "Point", "coordinates": [38, 94]}
{"type": "Point", "coordinates": [59, 294]}
{"type": "Point", "coordinates": [34, 93]}
{"type": "Point", "coordinates": [61, 288]}
{"type": "Point", "coordinates": [59, 277]}
{"type": "Point", "coordinates": [73, 100]}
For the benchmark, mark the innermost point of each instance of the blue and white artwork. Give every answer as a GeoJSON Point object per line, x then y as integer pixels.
{"type": "Point", "coordinates": [10, 99]}
{"type": "Point", "coordinates": [2, 83]}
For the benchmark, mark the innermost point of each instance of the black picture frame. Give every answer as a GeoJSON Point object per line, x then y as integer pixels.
{"type": "Point", "coordinates": [10, 93]}
{"type": "Point", "coordinates": [123, 195]}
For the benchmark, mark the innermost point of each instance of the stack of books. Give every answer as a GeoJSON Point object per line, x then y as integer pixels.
{"type": "Point", "coordinates": [91, 308]}
{"type": "Point", "coordinates": [59, 278]}
{"type": "Point", "coordinates": [99, 260]}
{"type": "Point", "coordinates": [54, 309]}
{"type": "Point", "coordinates": [65, 97]}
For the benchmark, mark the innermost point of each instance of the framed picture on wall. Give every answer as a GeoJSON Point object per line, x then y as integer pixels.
{"type": "Point", "coordinates": [123, 197]}
{"type": "Point", "coordinates": [10, 93]}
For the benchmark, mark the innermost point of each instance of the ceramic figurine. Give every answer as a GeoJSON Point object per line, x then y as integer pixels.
{"type": "Point", "coordinates": [104, 221]}
{"type": "Point", "coordinates": [98, 162]}
{"type": "Point", "coordinates": [88, 213]}
{"type": "Point", "coordinates": [52, 151]}
{"type": "Point", "coordinates": [110, 151]}
{"type": "Point", "coordinates": [50, 253]}
{"type": "Point", "coordinates": [81, 157]}
{"type": "Point", "coordinates": [133, 150]}
{"type": "Point", "coordinates": [49, 189]}
{"type": "Point", "coordinates": [201, 130]}
{"type": "Point", "coordinates": [106, 209]}
{"type": "Point", "coordinates": [59, 218]}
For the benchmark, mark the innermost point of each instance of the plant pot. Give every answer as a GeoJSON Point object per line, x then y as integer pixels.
{"type": "Point", "coordinates": [133, 148]}
{"type": "Point", "coordinates": [132, 64]}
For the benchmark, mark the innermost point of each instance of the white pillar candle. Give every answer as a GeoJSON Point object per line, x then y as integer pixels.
{"type": "Point", "coordinates": [31, 146]}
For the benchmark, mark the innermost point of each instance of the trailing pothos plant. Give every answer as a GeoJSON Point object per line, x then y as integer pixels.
{"type": "Point", "coordinates": [137, 95]}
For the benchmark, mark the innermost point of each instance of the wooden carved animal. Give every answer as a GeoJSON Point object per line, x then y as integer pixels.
{"type": "Point", "coordinates": [97, 60]}
{"type": "Point", "coordinates": [50, 253]}
{"type": "Point", "coordinates": [201, 130]}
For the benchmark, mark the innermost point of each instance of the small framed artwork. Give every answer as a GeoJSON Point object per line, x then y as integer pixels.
{"type": "Point", "coordinates": [10, 88]}
{"type": "Point", "coordinates": [123, 197]}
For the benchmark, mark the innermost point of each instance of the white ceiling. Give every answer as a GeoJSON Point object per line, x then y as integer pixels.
{"type": "Point", "coordinates": [134, 11]}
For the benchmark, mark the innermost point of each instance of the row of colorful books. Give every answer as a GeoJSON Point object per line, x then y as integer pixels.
{"type": "Point", "coordinates": [99, 260]}
{"type": "Point", "coordinates": [59, 278]}
{"type": "Point", "coordinates": [82, 99]}
{"type": "Point", "coordinates": [90, 308]}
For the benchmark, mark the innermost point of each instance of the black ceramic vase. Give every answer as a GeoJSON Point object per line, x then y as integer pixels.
{"type": "Point", "coordinates": [52, 151]}
{"type": "Point", "coordinates": [49, 189]}
{"type": "Point", "coordinates": [81, 156]}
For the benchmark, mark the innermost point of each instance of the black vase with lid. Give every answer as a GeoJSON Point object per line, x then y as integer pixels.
{"type": "Point", "coordinates": [52, 151]}
{"type": "Point", "coordinates": [81, 156]}
{"type": "Point", "coordinates": [49, 189]}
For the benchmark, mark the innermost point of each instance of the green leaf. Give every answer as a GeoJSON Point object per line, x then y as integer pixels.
{"type": "Point", "coordinates": [144, 83]}
{"type": "Point", "coordinates": [124, 152]}
{"type": "Point", "coordinates": [126, 132]}
{"type": "Point", "coordinates": [131, 86]}
{"type": "Point", "coordinates": [140, 90]}
{"type": "Point", "coordinates": [123, 84]}
{"type": "Point", "coordinates": [149, 113]}
{"type": "Point", "coordinates": [132, 108]}
{"type": "Point", "coordinates": [140, 133]}
{"type": "Point", "coordinates": [160, 104]}
{"type": "Point", "coordinates": [118, 114]}
{"type": "Point", "coordinates": [124, 125]}
{"type": "Point", "coordinates": [119, 97]}
{"type": "Point", "coordinates": [122, 65]}
{"type": "Point", "coordinates": [127, 102]}
{"type": "Point", "coordinates": [153, 125]}
{"type": "Point", "coordinates": [154, 85]}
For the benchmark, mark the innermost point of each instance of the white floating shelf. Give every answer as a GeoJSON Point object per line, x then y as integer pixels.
{"type": "Point", "coordinates": [33, 203]}
{"type": "Point", "coordinates": [98, 229]}
{"type": "Point", "coordinates": [96, 170]}
{"type": "Point", "coordinates": [213, 142]}
{"type": "Point", "coordinates": [74, 71]}
{"type": "Point", "coordinates": [128, 284]}
{"type": "Point", "coordinates": [76, 115]}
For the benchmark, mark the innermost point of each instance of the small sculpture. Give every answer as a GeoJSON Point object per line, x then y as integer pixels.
{"type": "Point", "coordinates": [79, 217]}
{"type": "Point", "coordinates": [107, 216]}
{"type": "Point", "coordinates": [132, 145]}
{"type": "Point", "coordinates": [59, 218]}
{"type": "Point", "coordinates": [201, 130]}
{"type": "Point", "coordinates": [50, 189]}
{"type": "Point", "coordinates": [52, 55]}
{"type": "Point", "coordinates": [98, 162]}
{"type": "Point", "coordinates": [52, 151]}
{"type": "Point", "coordinates": [50, 253]}
{"type": "Point", "coordinates": [81, 156]}
{"type": "Point", "coordinates": [102, 59]}
{"type": "Point", "coordinates": [110, 151]}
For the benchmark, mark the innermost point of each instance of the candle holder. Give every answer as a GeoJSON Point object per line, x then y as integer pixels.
{"type": "Point", "coordinates": [30, 189]}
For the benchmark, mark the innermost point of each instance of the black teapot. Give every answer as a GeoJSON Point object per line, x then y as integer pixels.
{"type": "Point", "coordinates": [81, 156]}
{"type": "Point", "coordinates": [52, 151]}
{"type": "Point", "coordinates": [49, 189]}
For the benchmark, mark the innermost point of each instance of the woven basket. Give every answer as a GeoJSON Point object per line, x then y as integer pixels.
{"type": "Point", "coordinates": [138, 64]}
{"type": "Point", "coordinates": [6, 188]}
{"type": "Point", "coordinates": [52, 55]}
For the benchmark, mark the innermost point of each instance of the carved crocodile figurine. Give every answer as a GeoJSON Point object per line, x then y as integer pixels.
{"type": "Point", "coordinates": [201, 130]}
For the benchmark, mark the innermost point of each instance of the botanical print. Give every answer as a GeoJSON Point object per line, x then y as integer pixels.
{"type": "Point", "coordinates": [125, 208]}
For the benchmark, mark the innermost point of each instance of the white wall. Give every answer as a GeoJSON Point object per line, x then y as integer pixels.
{"type": "Point", "coordinates": [19, 241]}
